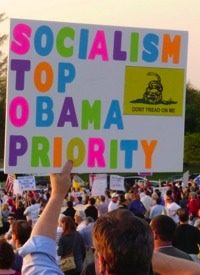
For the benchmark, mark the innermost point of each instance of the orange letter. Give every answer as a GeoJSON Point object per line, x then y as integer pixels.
{"type": "Point", "coordinates": [57, 152]}
{"type": "Point", "coordinates": [43, 82]}
{"type": "Point", "coordinates": [171, 48]}
{"type": "Point", "coordinates": [148, 151]}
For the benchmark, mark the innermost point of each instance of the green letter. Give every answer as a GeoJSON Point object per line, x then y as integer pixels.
{"type": "Point", "coordinates": [91, 114]}
{"type": "Point", "coordinates": [40, 150]}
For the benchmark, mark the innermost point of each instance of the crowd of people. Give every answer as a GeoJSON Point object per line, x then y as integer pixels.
{"type": "Point", "coordinates": [65, 231]}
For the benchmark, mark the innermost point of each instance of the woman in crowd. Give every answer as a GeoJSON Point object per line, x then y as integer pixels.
{"type": "Point", "coordinates": [71, 243]}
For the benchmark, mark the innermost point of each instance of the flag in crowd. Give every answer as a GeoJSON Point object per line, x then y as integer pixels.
{"type": "Point", "coordinates": [9, 183]}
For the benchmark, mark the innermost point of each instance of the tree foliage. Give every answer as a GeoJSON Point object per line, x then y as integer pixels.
{"type": "Point", "coordinates": [192, 127]}
{"type": "Point", "coordinates": [192, 149]}
{"type": "Point", "coordinates": [192, 115]}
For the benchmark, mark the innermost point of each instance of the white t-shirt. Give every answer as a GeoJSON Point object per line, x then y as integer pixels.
{"type": "Point", "coordinates": [32, 212]}
{"type": "Point", "coordinates": [112, 206]}
{"type": "Point", "coordinates": [171, 209]}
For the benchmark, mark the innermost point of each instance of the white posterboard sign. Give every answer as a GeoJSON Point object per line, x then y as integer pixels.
{"type": "Point", "coordinates": [17, 188]}
{"type": "Point", "coordinates": [99, 184]}
{"type": "Point", "coordinates": [185, 179]}
{"type": "Point", "coordinates": [117, 183]}
{"type": "Point", "coordinates": [27, 183]}
{"type": "Point", "coordinates": [110, 98]}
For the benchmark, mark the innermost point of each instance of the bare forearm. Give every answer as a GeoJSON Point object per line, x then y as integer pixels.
{"type": "Point", "coordinates": [60, 184]}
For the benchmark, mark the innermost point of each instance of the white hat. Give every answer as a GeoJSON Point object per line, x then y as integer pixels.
{"type": "Point", "coordinates": [114, 195]}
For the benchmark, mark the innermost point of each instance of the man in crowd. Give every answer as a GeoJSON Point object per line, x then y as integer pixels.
{"type": "Point", "coordinates": [163, 228]}
{"type": "Point", "coordinates": [133, 250]}
{"type": "Point", "coordinates": [32, 212]}
{"type": "Point", "coordinates": [187, 237]}
{"type": "Point", "coordinates": [114, 202]}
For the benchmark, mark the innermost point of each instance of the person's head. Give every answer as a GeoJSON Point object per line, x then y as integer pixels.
{"type": "Point", "coordinates": [135, 195]}
{"type": "Point", "coordinates": [11, 218]}
{"type": "Point", "coordinates": [92, 201]}
{"type": "Point", "coordinates": [21, 232]}
{"type": "Point", "coordinates": [168, 199]}
{"type": "Point", "coordinates": [61, 216]}
{"type": "Point", "coordinates": [156, 199]}
{"type": "Point", "coordinates": [7, 255]}
{"type": "Point", "coordinates": [5, 207]}
{"type": "Point", "coordinates": [69, 204]}
{"type": "Point", "coordinates": [183, 215]}
{"type": "Point", "coordinates": [21, 205]}
{"type": "Point", "coordinates": [122, 199]}
{"type": "Point", "coordinates": [79, 216]}
{"type": "Point", "coordinates": [163, 228]}
{"type": "Point", "coordinates": [33, 201]}
{"type": "Point", "coordinates": [114, 197]}
{"type": "Point", "coordinates": [123, 244]}
{"type": "Point", "coordinates": [68, 225]}
{"type": "Point", "coordinates": [102, 198]}
{"type": "Point", "coordinates": [193, 195]}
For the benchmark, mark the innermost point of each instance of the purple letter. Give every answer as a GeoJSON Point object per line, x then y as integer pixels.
{"type": "Point", "coordinates": [68, 113]}
{"type": "Point", "coordinates": [20, 66]}
{"type": "Point", "coordinates": [18, 147]}
{"type": "Point", "coordinates": [118, 54]}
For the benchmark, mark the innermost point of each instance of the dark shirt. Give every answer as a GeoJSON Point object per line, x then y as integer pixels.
{"type": "Point", "coordinates": [187, 238]}
{"type": "Point", "coordinates": [72, 243]}
{"type": "Point", "coordinates": [137, 207]}
{"type": "Point", "coordinates": [69, 211]}
{"type": "Point", "coordinates": [19, 214]}
{"type": "Point", "coordinates": [17, 265]}
{"type": "Point", "coordinates": [175, 252]}
{"type": "Point", "coordinates": [91, 211]}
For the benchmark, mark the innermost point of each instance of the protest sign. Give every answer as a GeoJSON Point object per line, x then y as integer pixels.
{"type": "Point", "coordinates": [98, 184]}
{"type": "Point", "coordinates": [27, 183]}
{"type": "Point", "coordinates": [109, 98]}
{"type": "Point", "coordinates": [117, 183]}
{"type": "Point", "coordinates": [17, 188]}
{"type": "Point", "coordinates": [185, 179]}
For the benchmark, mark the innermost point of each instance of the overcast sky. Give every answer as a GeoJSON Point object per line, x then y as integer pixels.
{"type": "Point", "coordinates": [168, 14]}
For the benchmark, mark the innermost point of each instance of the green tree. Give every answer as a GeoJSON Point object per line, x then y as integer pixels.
{"type": "Point", "coordinates": [192, 149]}
{"type": "Point", "coordinates": [192, 112]}
{"type": "Point", "coordinates": [3, 70]}
{"type": "Point", "coordinates": [192, 127]}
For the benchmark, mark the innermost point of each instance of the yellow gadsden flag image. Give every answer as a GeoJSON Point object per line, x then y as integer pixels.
{"type": "Point", "coordinates": [153, 91]}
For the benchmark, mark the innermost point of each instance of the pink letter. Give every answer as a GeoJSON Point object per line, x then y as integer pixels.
{"type": "Point", "coordinates": [96, 148]}
{"type": "Point", "coordinates": [19, 111]}
{"type": "Point", "coordinates": [99, 46]}
{"type": "Point", "coordinates": [21, 34]}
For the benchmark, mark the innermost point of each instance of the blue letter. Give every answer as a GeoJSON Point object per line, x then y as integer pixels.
{"type": "Point", "coordinates": [128, 146]}
{"type": "Point", "coordinates": [83, 44]}
{"type": "Point", "coordinates": [43, 49]}
{"type": "Point", "coordinates": [44, 112]}
{"type": "Point", "coordinates": [66, 74]}
{"type": "Point", "coordinates": [114, 116]}
{"type": "Point", "coordinates": [150, 43]}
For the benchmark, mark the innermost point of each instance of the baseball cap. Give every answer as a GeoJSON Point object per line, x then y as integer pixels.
{"type": "Point", "coordinates": [114, 195]}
